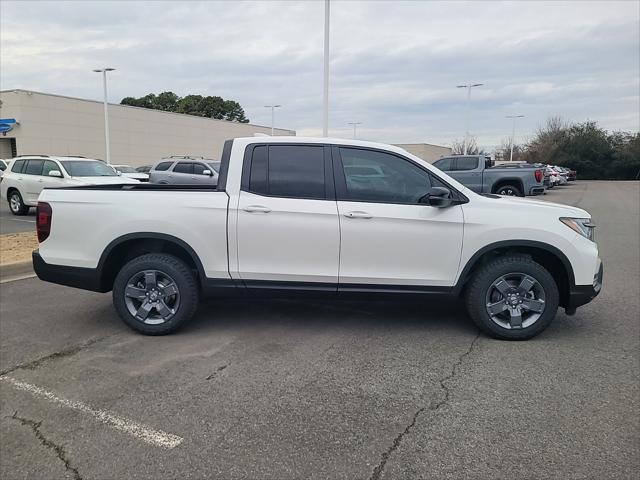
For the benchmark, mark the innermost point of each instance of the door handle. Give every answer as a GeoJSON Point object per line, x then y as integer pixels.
{"type": "Point", "coordinates": [358, 214]}
{"type": "Point", "coordinates": [40, 180]}
{"type": "Point", "coordinates": [256, 209]}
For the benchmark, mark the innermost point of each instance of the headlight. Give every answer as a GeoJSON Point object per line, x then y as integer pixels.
{"type": "Point", "coordinates": [583, 226]}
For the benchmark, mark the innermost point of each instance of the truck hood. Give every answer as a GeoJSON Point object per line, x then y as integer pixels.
{"type": "Point", "coordinates": [119, 180]}
{"type": "Point", "coordinates": [555, 208]}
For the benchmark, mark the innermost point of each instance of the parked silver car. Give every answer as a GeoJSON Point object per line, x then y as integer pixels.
{"type": "Point", "coordinates": [185, 171]}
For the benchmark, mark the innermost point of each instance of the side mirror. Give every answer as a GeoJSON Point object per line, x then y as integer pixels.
{"type": "Point", "coordinates": [55, 173]}
{"type": "Point", "coordinates": [207, 172]}
{"type": "Point", "coordinates": [438, 197]}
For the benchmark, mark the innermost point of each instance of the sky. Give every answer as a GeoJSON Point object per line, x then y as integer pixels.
{"type": "Point", "coordinates": [394, 65]}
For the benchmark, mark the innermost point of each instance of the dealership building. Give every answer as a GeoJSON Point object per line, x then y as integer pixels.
{"type": "Point", "coordinates": [426, 151]}
{"type": "Point", "coordinates": [40, 123]}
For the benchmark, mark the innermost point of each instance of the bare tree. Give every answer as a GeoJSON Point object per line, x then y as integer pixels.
{"type": "Point", "coordinates": [457, 147]}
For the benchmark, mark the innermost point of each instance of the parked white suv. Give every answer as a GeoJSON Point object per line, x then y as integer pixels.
{"type": "Point", "coordinates": [28, 175]}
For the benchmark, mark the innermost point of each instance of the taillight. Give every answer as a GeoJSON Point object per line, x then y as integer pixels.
{"type": "Point", "coordinates": [538, 174]}
{"type": "Point", "coordinates": [43, 220]}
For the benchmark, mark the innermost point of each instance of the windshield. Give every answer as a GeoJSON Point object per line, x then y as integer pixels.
{"type": "Point", "coordinates": [125, 169]}
{"type": "Point", "coordinates": [215, 166]}
{"type": "Point", "coordinates": [90, 168]}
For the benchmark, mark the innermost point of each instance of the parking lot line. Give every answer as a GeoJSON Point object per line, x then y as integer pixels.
{"type": "Point", "coordinates": [146, 434]}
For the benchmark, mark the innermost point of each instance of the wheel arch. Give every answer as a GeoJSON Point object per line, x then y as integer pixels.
{"type": "Point", "coordinates": [132, 245]}
{"type": "Point", "coordinates": [515, 181]}
{"type": "Point", "coordinates": [546, 255]}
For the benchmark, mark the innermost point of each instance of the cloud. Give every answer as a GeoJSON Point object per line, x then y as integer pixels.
{"type": "Point", "coordinates": [394, 65]}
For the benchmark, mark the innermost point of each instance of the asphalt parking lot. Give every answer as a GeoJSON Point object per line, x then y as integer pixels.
{"type": "Point", "coordinates": [10, 223]}
{"type": "Point", "coordinates": [316, 389]}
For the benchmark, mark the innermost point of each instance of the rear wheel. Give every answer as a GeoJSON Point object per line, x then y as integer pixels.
{"type": "Point", "coordinates": [512, 298]}
{"type": "Point", "coordinates": [16, 204]}
{"type": "Point", "coordinates": [155, 294]}
{"type": "Point", "coordinates": [510, 190]}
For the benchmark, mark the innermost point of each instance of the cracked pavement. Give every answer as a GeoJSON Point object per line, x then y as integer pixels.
{"type": "Point", "coordinates": [320, 389]}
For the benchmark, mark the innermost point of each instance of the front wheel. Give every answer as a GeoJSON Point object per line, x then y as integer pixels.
{"type": "Point", "coordinates": [509, 190]}
{"type": "Point", "coordinates": [512, 298]}
{"type": "Point", "coordinates": [155, 294]}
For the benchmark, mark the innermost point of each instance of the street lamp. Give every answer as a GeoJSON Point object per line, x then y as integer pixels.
{"type": "Point", "coordinates": [106, 113]}
{"type": "Point", "coordinates": [468, 87]}
{"type": "Point", "coordinates": [513, 133]}
{"type": "Point", "coordinates": [273, 108]}
{"type": "Point", "coordinates": [325, 96]}
{"type": "Point", "coordinates": [355, 124]}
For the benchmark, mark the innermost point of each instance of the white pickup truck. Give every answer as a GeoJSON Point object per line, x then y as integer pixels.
{"type": "Point", "coordinates": [292, 214]}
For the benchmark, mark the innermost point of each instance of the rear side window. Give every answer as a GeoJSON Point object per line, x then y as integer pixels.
{"type": "Point", "coordinates": [467, 163]}
{"type": "Point", "coordinates": [446, 164]}
{"type": "Point", "coordinates": [17, 166]}
{"type": "Point", "coordinates": [34, 167]}
{"type": "Point", "coordinates": [183, 167]}
{"type": "Point", "coordinates": [295, 171]}
{"type": "Point", "coordinates": [162, 166]}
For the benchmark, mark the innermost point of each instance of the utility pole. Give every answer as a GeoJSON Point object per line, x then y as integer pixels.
{"type": "Point", "coordinates": [325, 98]}
{"type": "Point", "coordinates": [272, 107]}
{"type": "Point", "coordinates": [513, 133]}
{"type": "Point", "coordinates": [106, 111]}
{"type": "Point", "coordinates": [355, 124]}
{"type": "Point", "coordinates": [466, 134]}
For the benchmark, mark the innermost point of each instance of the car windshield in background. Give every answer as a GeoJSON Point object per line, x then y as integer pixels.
{"type": "Point", "coordinates": [84, 168]}
{"type": "Point", "coordinates": [126, 169]}
{"type": "Point", "coordinates": [215, 166]}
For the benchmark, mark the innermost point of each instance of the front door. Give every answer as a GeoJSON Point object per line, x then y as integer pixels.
{"type": "Point", "coordinates": [287, 227]}
{"type": "Point", "coordinates": [388, 238]}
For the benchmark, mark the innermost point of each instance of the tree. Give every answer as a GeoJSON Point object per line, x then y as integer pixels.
{"type": "Point", "coordinates": [587, 148]}
{"type": "Point", "coordinates": [457, 147]}
{"type": "Point", "coordinates": [210, 106]}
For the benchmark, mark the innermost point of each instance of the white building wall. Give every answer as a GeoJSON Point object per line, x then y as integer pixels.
{"type": "Point", "coordinates": [426, 151]}
{"type": "Point", "coordinates": [57, 125]}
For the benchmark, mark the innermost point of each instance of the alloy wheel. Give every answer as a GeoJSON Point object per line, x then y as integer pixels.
{"type": "Point", "coordinates": [15, 202]}
{"type": "Point", "coordinates": [152, 297]}
{"type": "Point", "coordinates": [515, 300]}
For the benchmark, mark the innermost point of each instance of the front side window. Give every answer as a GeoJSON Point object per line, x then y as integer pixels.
{"type": "Point", "coordinates": [294, 171]}
{"type": "Point", "coordinates": [446, 164]}
{"type": "Point", "coordinates": [34, 167]}
{"type": "Point", "coordinates": [49, 166]}
{"type": "Point", "coordinates": [17, 166]}
{"type": "Point", "coordinates": [183, 167]}
{"type": "Point", "coordinates": [88, 168]}
{"type": "Point", "coordinates": [380, 177]}
{"type": "Point", "coordinates": [467, 163]}
{"type": "Point", "coordinates": [162, 166]}
{"type": "Point", "coordinates": [214, 166]}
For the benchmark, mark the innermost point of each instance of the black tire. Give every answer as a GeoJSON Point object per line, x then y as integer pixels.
{"type": "Point", "coordinates": [166, 267]}
{"type": "Point", "coordinates": [482, 285]}
{"type": "Point", "coordinates": [509, 190]}
{"type": "Point", "coordinates": [16, 204]}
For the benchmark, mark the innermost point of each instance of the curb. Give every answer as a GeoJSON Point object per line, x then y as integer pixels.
{"type": "Point", "coordinates": [18, 269]}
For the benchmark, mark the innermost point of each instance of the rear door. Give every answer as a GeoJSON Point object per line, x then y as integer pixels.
{"type": "Point", "coordinates": [32, 180]}
{"type": "Point", "coordinates": [287, 226]}
{"type": "Point", "coordinates": [468, 171]}
{"type": "Point", "coordinates": [389, 239]}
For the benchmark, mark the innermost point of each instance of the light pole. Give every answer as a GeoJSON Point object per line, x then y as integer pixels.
{"type": "Point", "coordinates": [325, 96]}
{"type": "Point", "coordinates": [106, 112]}
{"type": "Point", "coordinates": [513, 133]}
{"type": "Point", "coordinates": [273, 108]}
{"type": "Point", "coordinates": [468, 87]}
{"type": "Point", "coordinates": [355, 124]}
